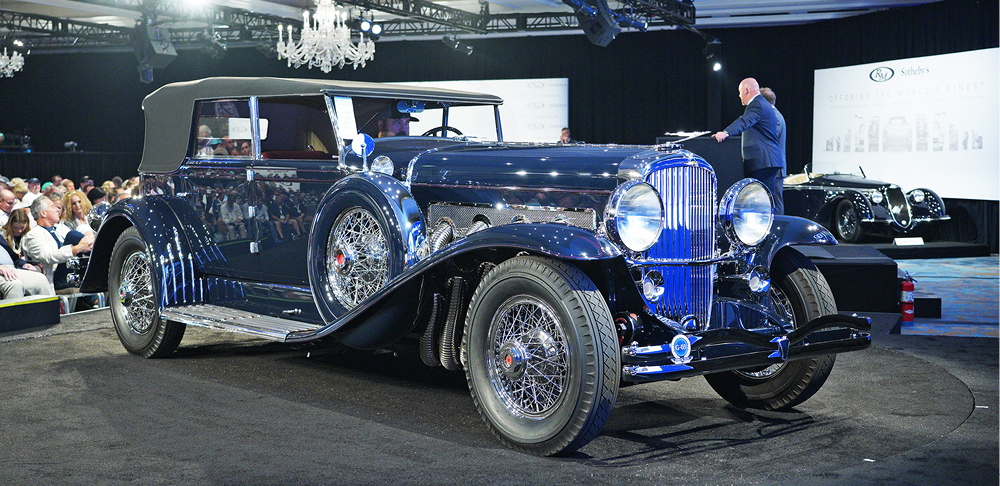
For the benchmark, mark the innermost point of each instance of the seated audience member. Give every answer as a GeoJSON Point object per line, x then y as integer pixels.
{"type": "Point", "coordinates": [45, 245]}
{"type": "Point", "coordinates": [20, 190]}
{"type": "Point", "coordinates": [18, 278]}
{"type": "Point", "coordinates": [34, 191]}
{"type": "Point", "coordinates": [17, 226]}
{"type": "Point", "coordinates": [7, 202]}
{"type": "Point", "coordinates": [86, 184]}
{"type": "Point", "coordinates": [69, 185]}
{"type": "Point", "coordinates": [95, 196]}
{"type": "Point", "coordinates": [76, 206]}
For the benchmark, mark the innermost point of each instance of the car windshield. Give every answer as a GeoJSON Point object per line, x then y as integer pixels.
{"type": "Point", "coordinates": [408, 117]}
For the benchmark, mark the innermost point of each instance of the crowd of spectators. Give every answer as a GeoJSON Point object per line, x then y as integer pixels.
{"type": "Point", "coordinates": [43, 226]}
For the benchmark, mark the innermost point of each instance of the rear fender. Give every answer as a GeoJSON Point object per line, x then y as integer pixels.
{"type": "Point", "coordinates": [176, 240]}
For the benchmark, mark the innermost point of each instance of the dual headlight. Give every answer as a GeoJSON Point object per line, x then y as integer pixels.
{"type": "Point", "coordinates": [634, 216]}
{"type": "Point", "coordinates": [747, 212]}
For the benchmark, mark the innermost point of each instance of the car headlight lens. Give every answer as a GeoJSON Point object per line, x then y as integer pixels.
{"type": "Point", "coordinates": [747, 212]}
{"type": "Point", "coordinates": [917, 196]}
{"type": "Point", "coordinates": [634, 216]}
{"type": "Point", "coordinates": [875, 196]}
{"type": "Point", "coordinates": [383, 165]}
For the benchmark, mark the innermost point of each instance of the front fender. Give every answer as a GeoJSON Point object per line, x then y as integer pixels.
{"type": "Point", "coordinates": [790, 230]}
{"type": "Point", "coordinates": [388, 314]}
{"type": "Point", "coordinates": [176, 240]}
{"type": "Point", "coordinates": [391, 204]}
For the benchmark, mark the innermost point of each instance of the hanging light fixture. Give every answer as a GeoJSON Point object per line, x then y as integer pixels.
{"type": "Point", "coordinates": [325, 41]}
{"type": "Point", "coordinates": [11, 64]}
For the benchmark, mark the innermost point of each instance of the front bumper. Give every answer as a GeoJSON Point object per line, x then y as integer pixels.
{"type": "Point", "coordinates": [725, 349]}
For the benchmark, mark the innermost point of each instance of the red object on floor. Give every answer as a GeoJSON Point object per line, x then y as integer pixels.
{"type": "Point", "coordinates": [906, 299]}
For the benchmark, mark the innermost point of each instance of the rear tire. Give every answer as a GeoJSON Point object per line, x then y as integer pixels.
{"type": "Point", "coordinates": [803, 294]}
{"type": "Point", "coordinates": [132, 298]}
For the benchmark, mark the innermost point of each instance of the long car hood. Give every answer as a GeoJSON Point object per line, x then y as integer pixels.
{"type": "Point", "coordinates": [571, 167]}
{"type": "Point", "coordinates": [847, 181]}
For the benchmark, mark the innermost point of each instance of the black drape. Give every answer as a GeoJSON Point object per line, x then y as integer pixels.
{"type": "Point", "coordinates": [639, 86]}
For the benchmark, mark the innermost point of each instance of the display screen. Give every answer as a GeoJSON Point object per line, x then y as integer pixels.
{"type": "Point", "coordinates": [926, 122]}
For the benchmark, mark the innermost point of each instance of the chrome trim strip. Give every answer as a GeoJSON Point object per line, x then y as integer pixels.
{"type": "Point", "coordinates": [235, 320]}
{"type": "Point", "coordinates": [510, 188]}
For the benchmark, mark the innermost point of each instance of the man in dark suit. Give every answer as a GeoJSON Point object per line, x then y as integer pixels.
{"type": "Point", "coordinates": [769, 95]}
{"type": "Point", "coordinates": [762, 156]}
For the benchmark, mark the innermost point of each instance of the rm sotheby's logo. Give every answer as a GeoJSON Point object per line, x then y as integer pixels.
{"type": "Point", "coordinates": [881, 74]}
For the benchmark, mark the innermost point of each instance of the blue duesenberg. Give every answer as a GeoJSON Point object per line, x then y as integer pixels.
{"type": "Point", "coordinates": [552, 274]}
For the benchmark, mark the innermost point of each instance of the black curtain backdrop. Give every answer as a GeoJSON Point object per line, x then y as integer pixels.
{"type": "Point", "coordinates": [638, 87]}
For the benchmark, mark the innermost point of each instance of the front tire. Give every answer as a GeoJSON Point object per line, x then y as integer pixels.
{"type": "Point", "coordinates": [543, 361]}
{"type": "Point", "coordinates": [799, 292]}
{"type": "Point", "coordinates": [846, 224]}
{"type": "Point", "coordinates": [132, 299]}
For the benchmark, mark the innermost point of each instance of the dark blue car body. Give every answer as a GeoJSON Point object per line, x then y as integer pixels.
{"type": "Point", "coordinates": [416, 240]}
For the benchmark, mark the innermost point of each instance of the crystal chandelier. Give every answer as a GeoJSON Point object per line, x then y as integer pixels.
{"type": "Point", "coordinates": [10, 64]}
{"type": "Point", "coordinates": [326, 41]}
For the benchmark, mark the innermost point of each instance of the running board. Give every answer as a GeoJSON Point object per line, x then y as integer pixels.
{"type": "Point", "coordinates": [236, 320]}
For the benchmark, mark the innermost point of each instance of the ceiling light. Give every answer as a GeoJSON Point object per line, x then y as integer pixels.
{"type": "Point", "coordinates": [325, 42]}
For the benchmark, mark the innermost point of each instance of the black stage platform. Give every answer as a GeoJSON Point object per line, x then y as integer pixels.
{"type": "Point", "coordinates": [930, 249]}
{"type": "Point", "coordinates": [862, 278]}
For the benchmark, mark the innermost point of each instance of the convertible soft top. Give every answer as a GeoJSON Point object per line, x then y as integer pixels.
{"type": "Point", "coordinates": [170, 109]}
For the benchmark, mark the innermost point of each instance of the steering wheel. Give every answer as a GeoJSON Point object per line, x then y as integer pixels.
{"type": "Point", "coordinates": [444, 129]}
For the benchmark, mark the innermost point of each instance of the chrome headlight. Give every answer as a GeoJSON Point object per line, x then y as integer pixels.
{"type": "Point", "coordinates": [746, 212]}
{"type": "Point", "coordinates": [917, 196]}
{"type": "Point", "coordinates": [383, 165]}
{"type": "Point", "coordinates": [634, 216]}
{"type": "Point", "coordinates": [875, 196]}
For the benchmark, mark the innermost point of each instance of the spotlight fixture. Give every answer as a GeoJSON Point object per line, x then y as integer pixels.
{"type": "Point", "coordinates": [452, 41]}
{"type": "Point", "coordinates": [212, 45]}
{"type": "Point", "coordinates": [717, 67]}
{"type": "Point", "coordinates": [366, 27]}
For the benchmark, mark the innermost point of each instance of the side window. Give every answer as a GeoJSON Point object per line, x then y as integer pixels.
{"type": "Point", "coordinates": [222, 129]}
{"type": "Point", "coordinates": [298, 127]}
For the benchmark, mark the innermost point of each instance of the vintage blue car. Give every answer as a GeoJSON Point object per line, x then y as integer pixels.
{"type": "Point", "coordinates": [551, 274]}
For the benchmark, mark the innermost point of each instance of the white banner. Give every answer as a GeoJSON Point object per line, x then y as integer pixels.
{"type": "Point", "coordinates": [533, 110]}
{"type": "Point", "coordinates": [930, 122]}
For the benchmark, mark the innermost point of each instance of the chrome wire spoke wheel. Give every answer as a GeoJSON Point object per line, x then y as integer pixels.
{"type": "Point", "coordinates": [528, 358]}
{"type": "Point", "coordinates": [136, 293]}
{"type": "Point", "coordinates": [358, 257]}
{"type": "Point", "coordinates": [782, 306]}
{"type": "Point", "coordinates": [848, 222]}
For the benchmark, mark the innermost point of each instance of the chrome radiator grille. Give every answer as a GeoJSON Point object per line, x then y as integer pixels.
{"type": "Point", "coordinates": [898, 206]}
{"type": "Point", "coordinates": [688, 194]}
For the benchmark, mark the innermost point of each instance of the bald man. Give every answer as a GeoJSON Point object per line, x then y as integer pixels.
{"type": "Point", "coordinates": [762, 156]}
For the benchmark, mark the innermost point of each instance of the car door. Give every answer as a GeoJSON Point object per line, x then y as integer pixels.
{"type": "Point", "coordinates": [214, 182]}
{"type": "Point", "coordinates": [298, 163]}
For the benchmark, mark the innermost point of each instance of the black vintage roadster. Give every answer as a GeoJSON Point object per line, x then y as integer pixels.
{"type": "Point", "coordinates": [854, 207]}
{"type": "Point", "coordinates": [550, 275]}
